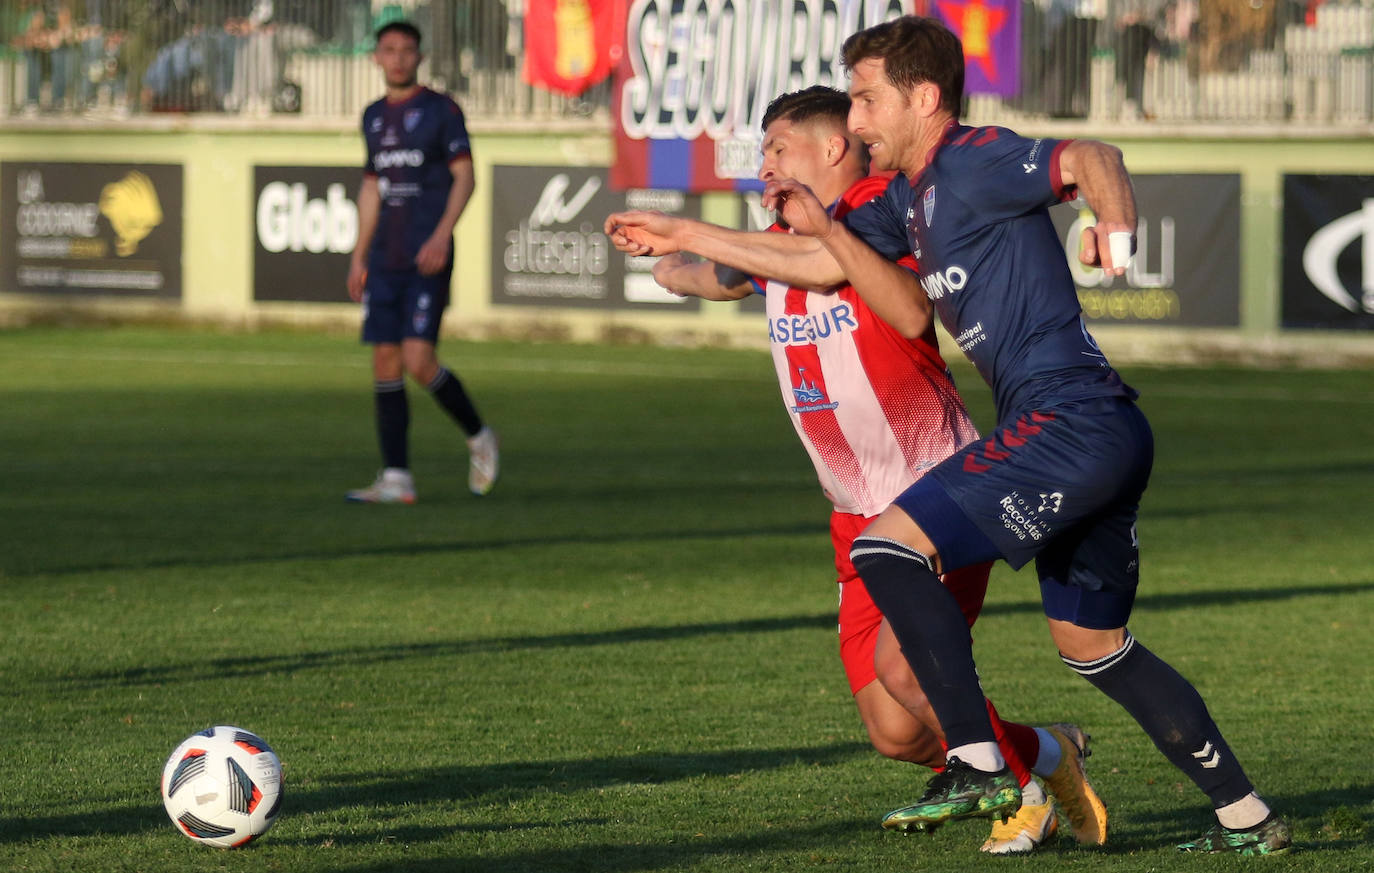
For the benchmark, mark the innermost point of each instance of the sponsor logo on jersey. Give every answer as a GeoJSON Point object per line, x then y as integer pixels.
{"type": "Point", "coordinates": [971, 336]}
{"type": "Point", "coordinates": [1320, 254]}
{"type": "Point", "coordinates": [809, 328]}
{"type": "Point", "coordinates": [398, 158]}
{"type": "Point", "coordinates": [1020, 519]}
{"type": "Point", "coordinates": [1030, 164]}
{"type": "Point", "coordinates": [938, 283]}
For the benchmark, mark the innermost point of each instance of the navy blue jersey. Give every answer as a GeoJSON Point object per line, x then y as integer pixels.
{"type": "Point", "coordinates": [990, 260]}
{"type": "Point", "coordinates": [410, 146]}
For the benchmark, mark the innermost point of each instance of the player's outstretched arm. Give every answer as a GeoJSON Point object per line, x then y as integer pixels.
{"type": "Point", "coordinates": [797, 260]}
{"type": "Point", "coordinates": [681, 275]}
{"type": "Point", "coordinates": [1100, 174]}
{"type": "Point", "coordinates": [888, 288]}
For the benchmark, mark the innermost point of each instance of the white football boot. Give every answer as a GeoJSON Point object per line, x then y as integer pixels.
{"type": "Point", "coordinates": [485, 461]}
{"type": "Point", "coordinates": [393, 485]}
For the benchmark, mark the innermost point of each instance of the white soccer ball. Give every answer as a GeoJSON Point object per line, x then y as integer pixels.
{"type": "Point", "coordinates": [222, 787]}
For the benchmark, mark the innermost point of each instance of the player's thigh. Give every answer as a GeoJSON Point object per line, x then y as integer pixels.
{"type": "Point", "coordinates": [382, 308]}
{"type": "Point", "coordinates": [1089, 575]}
{"type": "Point", "coordinates": [422, 306]}
{"type": "Point", "coordinates": [1035, 478]}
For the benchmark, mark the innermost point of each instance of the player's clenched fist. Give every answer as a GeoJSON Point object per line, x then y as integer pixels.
{"type": "Point", "coordinates": [798, 207]}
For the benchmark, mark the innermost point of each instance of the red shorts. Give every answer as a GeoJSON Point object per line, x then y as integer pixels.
{"type": "Point", "coordinates": [859, 616]}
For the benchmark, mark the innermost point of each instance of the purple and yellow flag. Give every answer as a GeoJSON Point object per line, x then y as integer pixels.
{"type": "Point", "coordinates": [991, 33]}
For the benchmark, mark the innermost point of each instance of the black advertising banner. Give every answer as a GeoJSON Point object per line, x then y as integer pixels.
{"type": "Point", "coordinates": [305, 224]}
{"type": "Point", "coordinates": [91, 228]}
{"type": "Point", "coordinates": [1328, 252]}
{"type": "Point", "coordinates": [1187, 264]}
{"type": "Point", "coordinates": [1186, 269]}
{"type": "Point", "coordinates": [548, 247]}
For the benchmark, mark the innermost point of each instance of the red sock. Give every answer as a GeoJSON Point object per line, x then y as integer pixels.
{"type": "Point", "coordinates": [1019, 743]}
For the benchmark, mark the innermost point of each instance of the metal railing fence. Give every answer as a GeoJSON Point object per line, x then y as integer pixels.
{"type": "Point", "coordinates": [1134, 61]}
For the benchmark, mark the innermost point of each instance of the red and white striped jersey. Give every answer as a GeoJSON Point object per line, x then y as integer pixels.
{"type": "Point", "coordinates": [874, 410]}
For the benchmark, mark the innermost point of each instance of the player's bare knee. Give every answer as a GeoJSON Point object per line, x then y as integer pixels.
{"type": "Point", "coordinates": [1085, 644]}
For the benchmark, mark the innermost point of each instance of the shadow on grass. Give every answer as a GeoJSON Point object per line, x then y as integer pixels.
{"type": "Point", "coordinates": [496, 784]}
{"type": "Point", "coordinates": [224, 668]}
{"type": "Point", "coordinates": [1153, 831]}
{"type": "Point", "coordinates": [411, 550]}
{"type": "Point", "coordinates": [730, 852]}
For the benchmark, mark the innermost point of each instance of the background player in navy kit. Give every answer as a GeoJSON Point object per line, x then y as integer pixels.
{"type": "Point", "coordinates": [1061, 476]}
{"type": "Point", "coordinates": [416, 183]}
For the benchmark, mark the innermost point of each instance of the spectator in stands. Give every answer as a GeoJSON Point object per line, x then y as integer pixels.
{"type": "Point", "coordinates": [172, 81]}
{"type": "Point", "coordinates": [45, 38]}
{"type": "Point", "coordinates": [1229, 30]}
{"type": "Point", "coordinates": [255, 68]}
{"type": "Point", "coordinates": [1137, 37]}
{"type": "Point", "coordinates": [1071, 33]}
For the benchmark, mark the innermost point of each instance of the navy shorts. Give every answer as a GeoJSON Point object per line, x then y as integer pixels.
{"type": "Point", "coordinates": [404, 305]}
{"type": "Point", "coordinates": [1060, 485]}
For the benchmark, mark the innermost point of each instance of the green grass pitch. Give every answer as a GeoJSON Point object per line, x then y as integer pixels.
{"type": "Point", "coordinates": [623, 659]}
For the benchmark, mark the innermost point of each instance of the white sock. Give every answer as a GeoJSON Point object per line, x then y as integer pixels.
{"type": "Point", "coordinates": [1033, 794]}
{"type": "Point", "coordinates": [1050, 753]}
{"type": "Point", "coordinates": [980, 756]}
{"type": "Point", "coordinates": [1244, 813]}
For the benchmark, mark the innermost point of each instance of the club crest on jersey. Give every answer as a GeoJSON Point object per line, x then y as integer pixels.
{"type": "Point", "coordinates": [807, 393]}
{"type": "Point", "coordinates": [411, 119]}
{"type": "Point", "coordinates": [809, 396]}
{"type": "Point", "coordinates": [375, 125]}
{"type": "Point", "coordinates": [928, 204]}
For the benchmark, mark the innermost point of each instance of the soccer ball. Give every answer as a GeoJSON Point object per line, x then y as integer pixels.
{"type": "Point", "coordinates": [222, 787]}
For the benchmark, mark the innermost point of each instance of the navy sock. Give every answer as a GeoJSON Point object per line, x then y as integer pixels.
{"type": "Point", "coordinates": [449, 393]}
{"type": "Point", "coordinates": [393, 420]}
{"type": "Point", "coordinates": [933, 632]}
{"type": "Point", "coordinates": [1173, 715]}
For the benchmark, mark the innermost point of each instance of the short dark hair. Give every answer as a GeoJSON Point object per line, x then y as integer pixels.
{"type": "Point", "coordinates": [913, 50]}
{"type": "Point", "coordinates": [818, 101]}
{"type": "Point", "coordinates": [405, 27]}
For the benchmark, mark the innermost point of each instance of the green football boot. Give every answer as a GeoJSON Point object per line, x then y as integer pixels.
{"type": "Point", "coordinates": [959, 791]}
{"type": "Point", "coordinates": [1269, 837]}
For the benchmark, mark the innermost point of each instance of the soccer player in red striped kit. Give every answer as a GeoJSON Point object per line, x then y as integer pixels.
{"type": "Point", "coordinates": [875, 407]}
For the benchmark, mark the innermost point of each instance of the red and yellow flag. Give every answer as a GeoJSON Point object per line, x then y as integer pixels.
{"type": "Point", "coordinates": [570, 45]}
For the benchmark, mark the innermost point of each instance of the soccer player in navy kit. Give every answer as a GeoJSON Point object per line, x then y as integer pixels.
{"type": "Point", "coordinates": [1061, 476]}
{"type": "Point", "coordinates": [416, 183]}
